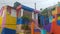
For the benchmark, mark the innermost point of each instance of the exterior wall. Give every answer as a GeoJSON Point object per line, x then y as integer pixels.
{"type": "Point", "coordinates": [11, 19]}
{"type": "Point", "coordinates": [54, 12]}
{"type": "Point", "coordinates": [1, 19]}
{"type": "Point", "coordinates": [27, 13]}
{"type": "Point", "coordinates": [20, 13]}
{"type": "Point", "coordinates": [58, 9]}
{"type": "Point", "coordinates": [56, 21]}
{"type": "Point", "coordinates": [49, 13]}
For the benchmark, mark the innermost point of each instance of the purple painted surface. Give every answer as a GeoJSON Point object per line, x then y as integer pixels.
{"type": "Point", "coordinates": [1, 12]}
{"type": "Point", "coordinates": [36, 30]}
{"type": "Point", "coordinates": [36, 23]}
{"type": "Point", "coordinates": [36, 11]}
{"type": "Point", "coordinates": [48, 27]}
{"type": "Point", "coordinates": [4, 19]}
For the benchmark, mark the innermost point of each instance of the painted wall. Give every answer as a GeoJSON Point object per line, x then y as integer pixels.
{"type": "Point", "coordinates": [11, 19]}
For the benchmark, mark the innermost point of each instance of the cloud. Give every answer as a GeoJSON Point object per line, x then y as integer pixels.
{"type": "Point", "coordinates": [30, 3]}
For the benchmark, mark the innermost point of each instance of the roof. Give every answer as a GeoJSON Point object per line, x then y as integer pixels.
{"type": "Point", "coordinates": [24, 7]}
{"type": "Point", "coordinates": [27, 8]}
{"type": "Point", "coordinates": [10, 7]}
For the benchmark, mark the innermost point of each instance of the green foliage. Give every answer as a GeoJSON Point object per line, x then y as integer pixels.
{"type": "Point", "coordinates": [25, 27]}
{"type": "Point", "coordinates": [53, 9]}
{"type": "Point", "coordinates": [44, 12]}
{"type": "Point", "coordinates": [26, 17]}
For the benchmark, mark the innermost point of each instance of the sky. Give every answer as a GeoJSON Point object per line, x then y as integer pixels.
{"type": "Point", "coordinates": [30, 3]}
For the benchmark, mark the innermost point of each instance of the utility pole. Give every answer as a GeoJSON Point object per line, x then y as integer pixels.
{"type": "Point", "coordinates": [33, 23]}
{"type": "Point", "coordinates": [36, 17]}
{"type": "Point", "coordinates": [35, 6]}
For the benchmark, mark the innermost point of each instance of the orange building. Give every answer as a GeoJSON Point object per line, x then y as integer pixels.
{"type": "Point", "coordinates": [55, 27]}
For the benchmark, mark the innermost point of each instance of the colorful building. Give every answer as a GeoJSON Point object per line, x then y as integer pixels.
{"type": "Point", "coordinates": [55, 27]}
{"type": "Point", "coordinates": [11, 21]}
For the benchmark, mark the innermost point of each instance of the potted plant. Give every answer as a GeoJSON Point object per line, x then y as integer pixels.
{"type": "Point", "coordinates": [26, 28]}
{"type": "Point", "coordinates": [26, 19]}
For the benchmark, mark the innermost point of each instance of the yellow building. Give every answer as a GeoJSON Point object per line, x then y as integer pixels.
{"type": "Point", "coordinates": [8, 18]}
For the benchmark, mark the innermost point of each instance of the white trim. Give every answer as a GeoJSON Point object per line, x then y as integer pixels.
{"type": "Point", "coordinates": [36, 16]}
{"type": "Point", "coordinates": [22, 12]}
{"type": "Point", "coordinates": [13, 13]}
{"type": "Point", "coordinates": [32, 15]}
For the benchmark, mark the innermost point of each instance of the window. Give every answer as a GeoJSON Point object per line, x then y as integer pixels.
{"type": "Point", "coordinates": [13, 13]}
